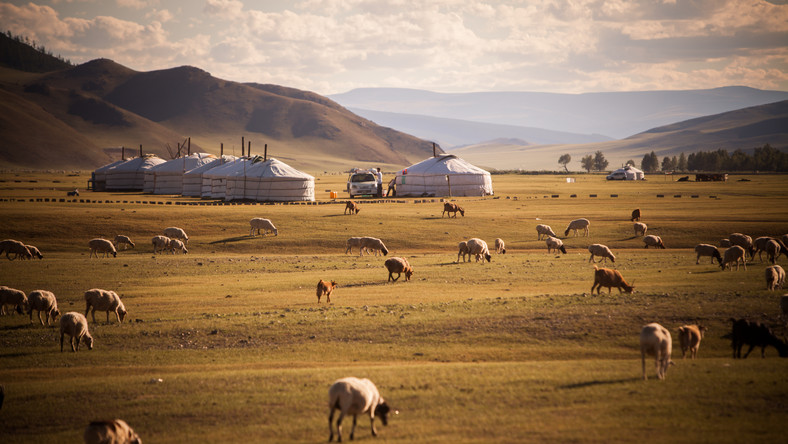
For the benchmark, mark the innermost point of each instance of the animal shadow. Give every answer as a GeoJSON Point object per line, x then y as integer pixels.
{"type": "Point", "coordinates": [232, 239]}
{"type": "Point", "coordinates": [597, 382]}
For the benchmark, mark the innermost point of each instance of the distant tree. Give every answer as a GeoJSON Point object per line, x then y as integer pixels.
{"type": "Point", "coordinates": [600, 163]}
{"type": "Point", "coordinates": [667, 164]}
{"type": "Point", "coordinates": [650, 163]}
{"type": "Point", "coordinates": [587, 162]}
{"type": "Point", "coordinates": [681, 164]}
{"type": "Point", "coordinates": [564, 160]}
{"type": "Point", "coordinates": [630, 162]}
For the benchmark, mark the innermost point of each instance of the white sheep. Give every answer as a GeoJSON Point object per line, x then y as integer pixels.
{"type": "Point", "coordinates": [34, 252]}
{"type": "Point", "coordinates": [578, 224]}
{"type": "Point", "coordinates": [707, 250]}
{"type": "Point", "coordinates": [734, 254]}
{"type": "Point", "coordinates": [175, 245]}
{"type": "Point", "coordinates": [122, 240]}
{"type": "Point", "coordinates": [160, 243]}
{"type": "Point", "coordinates": [775, 277]}
{"type": "Point", "coordinates": [353, 242]}
{"type": "Point", "coordinates": [44, 302]}
{"type": "Point", "coordinates": [12, 296]}
{"type": "Point", "coordinates": [543, 230]}
{"type": "Point", "coordinates": [373, 244]}
{"type": "Point", "coordinates": [101, 246]}
{"type": "Point", "coordinates": [478, 248]}
{"type": "Point", "coordinates": [18, 249]}
{"type": "Point", "coordinates": [258, 223]}
{"type": "Point", "coordinates": [743, 241]}
{"type": "Point", "coordinates": [75, 325]}
{"type": "Point", "coordinates": [176, 233]}
{"type": "Point", "coordinates": [553, 243]}
{"type": "Point", "coordinates": [653, 241]}
{"type": "Point", "coordinates": [655, 341]}
{"type": "Point", "coordinates": [602, 251]}
{"type": "Point", "coordinates": [104, 300]}
{"type": "Point", "coordinates": [463, 250]}
{"type": "Point", "coordinates": [640, 228]}
{"type": "Point", "coordinates": [354, 396]}
{"type": "Point", "coordinates": [500, 246]}
{"type": "Point", "coordinates": [115, 431]}
{"type": "Point", "coordinates": [773, 250]}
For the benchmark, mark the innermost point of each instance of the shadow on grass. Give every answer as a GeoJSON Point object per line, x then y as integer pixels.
{"type": "Point", "coordinates": [366, 284]}
{"type": "Point", "coordinates": [234, 239]}
{"type": "Point", "coordinates": [15, 327]}
{"type": "Point", "coordinates": [337, 215]}
{"type": "Point", "coordinates": [597, 382]}
{"type": "Point", "coordinates": [627, 239]}
{"type": "Point", "coordinates": [706, 272]}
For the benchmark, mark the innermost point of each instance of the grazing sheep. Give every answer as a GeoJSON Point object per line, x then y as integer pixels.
{"type": "Point", "coordinates": [398, 265]}
{"type": "Point", "coordinates": [175, 245]}
{"type": "Point", "coordinates": [34, 252]}
{"type": "Point", "coordinates": [605, 277]}
{"type": "Point", "coordinates": [160, 243]}
{"type": "Point", "coordinates": [578, 224]}
{"type": "Point", "coordinates": [725, 243]}
{"type": "Point", "coordinates": [653, 241]}
{"type": "Point", "coordinates": [449, 207]}
{"type": "Point", "coordinates": [734, 254]}
{"type": "Point", "coordinates": [18, 249]}
{"type": "Point", "coordinates": [353, 242]}
{"type": "Point", "coordinates": [760, 246]}
{"type": "Point", "coordinates": [176, 233]}
{"type": "Point", "coordinates": [775, 277]}
{"type": "Point", "coordinates": [373, 244]}
{"type": "Point", "coordinates": [110, 432]}
{"type": "Point", "coordinates": [544, 230]}
{"type": "Point", "coordinates": [463, 246]}
{"type": "Point", "coordinates": [707, 250]}
{"type": "Point", "coordinates": [258, 223]}
{"type": "Point", "coordinates": [655, 341]}
{"type": "Point", "coordinates": [743, 241]}
{"type": "Point", "coordinates": [635, 215]}
{"type": "Point", "coordinates": [553, 243]}
{"type": "Point", "coordinates": [124, 240]}
{"type": "Point", "coordinates": [689, 338]}
{"type": "Point", "coordinates": [640, 228]}
{"type": "Point", "coordinates": [351, 206]}
{"type": "Point", "coordinates": [12, 296]}
{"type": "Point", "coordinates": [354, 396]}
{"type": "Point", "coordinates": [754, 334]}
{"type": "Point", "coordinates": [478, 248]}
{"type": "Point", "coordinates": [75, 325]}
{"type": "Point", "coordinates": [101, 246]}
{"type": "Point", "coordinates": [773, 250]}
{"type": "Point", "coordinates": [500, 246]}
{"type": "Point", "coordinates": [104, 300]}
{"type": "Point", "coordinates": [602, 251]}
{"type": "Point", "coordinates": [325, 288]}
{"type": "Point", "coordinates": [44, 302]}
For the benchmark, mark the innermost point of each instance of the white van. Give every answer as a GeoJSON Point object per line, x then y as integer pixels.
{"type": "Point", "coordinates": [362, 183]}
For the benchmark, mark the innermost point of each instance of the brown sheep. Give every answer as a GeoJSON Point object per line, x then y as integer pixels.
{"type": "Point", "coordinates": [18, 249]}
{"type": "Point", "coordinates": [352, 207]}
{"type": "Point", "coordinates": [635, 215]}
{"type": "Point", "coordinates": [605, 277]}
{"type": "Point", "coordinates": [325, 288]}
{"type": "Point", "coordinates": [449, 207]}
{"type": "Point", "coordinates": [398, 265]}
{"type": "Point", "coordinates": [689, 338]}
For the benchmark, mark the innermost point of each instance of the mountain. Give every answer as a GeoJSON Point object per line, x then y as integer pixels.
{"type": "Point", "coordinates": [612, 114]}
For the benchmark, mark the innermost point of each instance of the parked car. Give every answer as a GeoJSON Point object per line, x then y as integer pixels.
{"type": "Point", "coordinates": [362, 183]}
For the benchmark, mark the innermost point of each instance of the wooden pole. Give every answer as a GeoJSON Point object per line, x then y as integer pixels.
{"type": "Point", "coordinates": [221, 150]}
{"type": "Point", "coordinates": [189, 149]}
{"type": "Point", "coordinates": [242, 146]}
{"type": "Point", "coordinates": [140, 150]}
{"type": "Point", "coordinates": [249, 148]}
{"type": "Point", "coordinates": [434, 152]}
{"type": "Point", "coordinates": [265, 153]}
{"type": "Point", "coordinates": [122, 153]}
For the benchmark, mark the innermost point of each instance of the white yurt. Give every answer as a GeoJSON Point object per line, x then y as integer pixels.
{"type": "Point", "coordinates": [214, 181]}
{"type": "Point", "coordinates": [99, 176]}
{"type": "Point", "coordinates": [626, 173]}
{"type": "Point", "coordinates": [192, 179]}
{"type": "Point", "coordinates": [270, 180]}
{"type": "Point", "coordinates": [443, 175]}
{"type": "Point", "coordinates": [130, 175]}
{"type": "Point", "coordinates": [167, 178]}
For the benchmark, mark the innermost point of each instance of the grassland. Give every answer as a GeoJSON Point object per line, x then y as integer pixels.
{"type": "Point", "coordinates": [516, 350]}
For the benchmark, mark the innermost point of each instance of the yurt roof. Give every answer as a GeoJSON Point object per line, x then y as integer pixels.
{"type": "Point", "coordinates": [145, 162]}
{"type": "Point", "coordinates": [443, 164]}
{"type": "Point", "coordinates": [273, 168]}
{"type": "Point", "coordinates": [186, 163]}
{"type": "Point", "coordinates": [227, 168]}
{"type": "Point", "coordinates": [211, 164]}
{"type": "Point", "coordinates": [104, 168]}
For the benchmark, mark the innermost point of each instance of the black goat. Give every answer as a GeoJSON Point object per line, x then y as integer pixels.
{"type": "Point", "coordinates": [754, 334]}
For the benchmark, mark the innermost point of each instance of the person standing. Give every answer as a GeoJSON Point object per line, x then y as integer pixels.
{"type": "Point", "coordinates": [379, 180]}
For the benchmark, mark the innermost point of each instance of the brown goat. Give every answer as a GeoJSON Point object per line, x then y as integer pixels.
{"type": "Point", "coordinates": [605, 277]}
{"type": "Point", "coordinates": [449, 207]}
{"type": "Point", "coordinates": [636, 215]}
{"type": "Point", "coordinates": [689, 338]}
{"type": "Point", "coordinates": [352, 206]}
{"type": "Point", "coordinates": [325, 288]}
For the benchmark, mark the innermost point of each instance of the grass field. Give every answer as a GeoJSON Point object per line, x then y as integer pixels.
{"type": "Point", "coordinates": [516, 350]}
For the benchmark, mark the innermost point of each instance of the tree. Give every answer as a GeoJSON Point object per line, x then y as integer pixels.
{"type": "Point", "coordinates": [587, 162]}
{"type": "Point", "coordinates": [682, 162]}
{"type": "Point", "coordinates": [667, 164]}
{"type": "Point", "coordinates": [630, 162]}
{"type": "Point", "coordinates": [565, 159]}
{"type": "Point", "coordinates": [600, 163]}
{"type": "Point", "coordinates": [650, 163]}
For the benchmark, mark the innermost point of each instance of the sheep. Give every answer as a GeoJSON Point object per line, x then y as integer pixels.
{"type": "Point", "coordinates": [160, 243]}
{"type": "Point", "coordinates": [354, 396]}
{"type": "Point", "coordinates": [101, 246]}
{"type": "Point", "coordinates": [653, 241]}
{"type": "Point", "coordinates": [500, 246]}
{"type": "Point", "coordinates": [121, 239]}
{"type": "Point", "coordinates": [733, 254]}
{"type": "Point", "coordinates": [578, 224]}
{"type": "Point", "coordinates": [755, 334]}
{"type": "Point", "coordinates": [635, 215]}
{"type": "Point", "coordinates": [175, 245]}
{"type": "Point", "coordinates": [743, 241]}
{"type": "Point", "coordinates": [600, 250]}
{"type": "Point", "coordinates": [689, 338]}
{"type": "Point", "coordinates": [655, 341]}
{"type": "Point", "coordinates": [44, 302]}
{"type": "Point", "coordinates": [104, 300]}
{"type": "Point", "coordinates": [478, 248]}
{"type": "Point", "coordinates": [75, 325]}
{"type": "Point", "coordinates": [449, 207]}
{"type": "Point", "coordinates": [760, 244]}
{"type": "Point", "coordinates": [373, 244]}
{"type": "Point", "coordinates": [72, 193]}
{"type": "Point", "coordinates": [773, 251]}
{"type": "Point", "coordinates": [463, 246]}
{"type": "Point", "coordinates": [640, 228]}
{"type": "Point", "coordinates": [258, 223]}
{"type": "Point", "coordinates": [352, 207]}
{"type": "Point", "coordinates": [12, 296]}
{"type": "Point", "coordinates": [18, 249]}
{"type": "Point", "coordinates": [544, 230]}
{"type": "Point", "coordinates": [553, 243]}
{"type": "Point", "coordinates": [115, 431]}
{"type": "Point", "coordinates": [34, 252]}
{"type": "Point", "coordinates": [176, 233]}
{"type": "Point", "coordinates": [775, 277]}
{"type": "Point", "coordinates": [325, 288]}
{"type": "Point", "coordinates": [353, 242]}
{"type": "Point", "coordinates": [725, 243]}
{"type": "Point", "coordinates": [707, 250]}
{"type": "Point", "coordinates": [398, 265]}
{"type": "Point", "coordinates": [605, 277]}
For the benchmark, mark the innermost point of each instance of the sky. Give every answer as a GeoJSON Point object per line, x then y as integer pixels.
{"type": "Point", "coordinates": [333, 46]}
